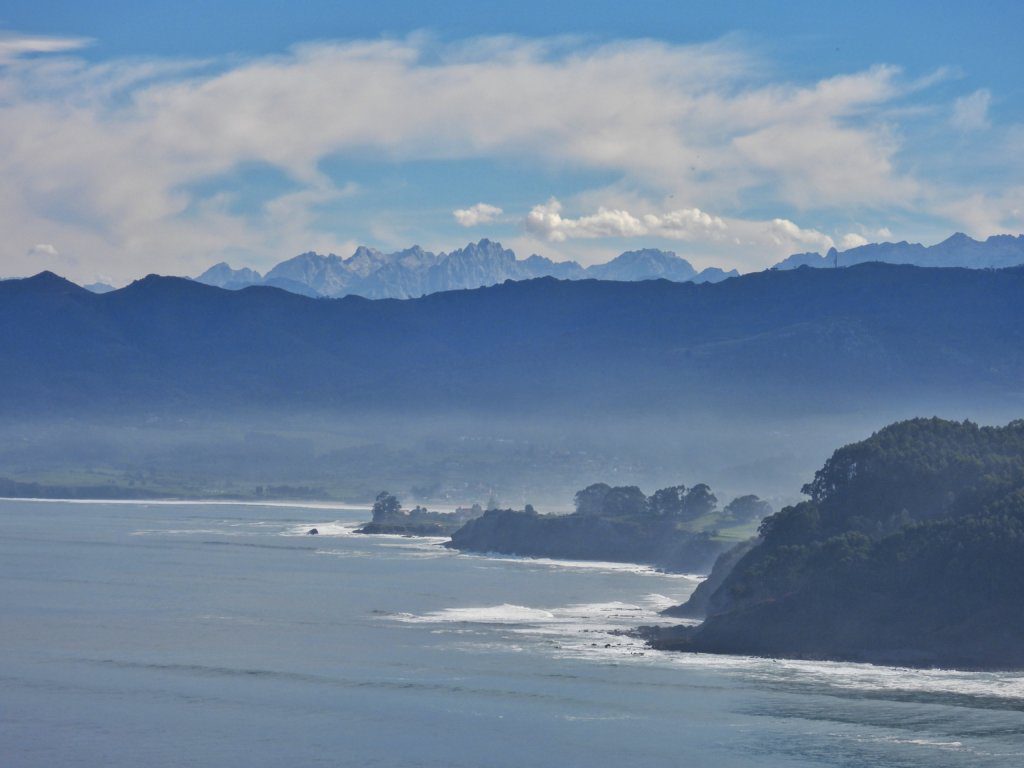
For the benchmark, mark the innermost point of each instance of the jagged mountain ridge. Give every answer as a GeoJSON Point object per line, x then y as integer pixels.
{"type": "Point", "coordinates": [958, 250]}
{"type": "Point", "coordinates": [414, 272]}
{"type": "Point", "coordinates": [224, 276]}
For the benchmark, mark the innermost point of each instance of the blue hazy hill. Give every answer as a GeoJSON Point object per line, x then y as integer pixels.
{"type": "Point", "coordinates": [800, 340]}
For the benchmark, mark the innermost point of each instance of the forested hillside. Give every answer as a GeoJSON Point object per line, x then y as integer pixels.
{"type": "Point", "coordinates": [910, 550]}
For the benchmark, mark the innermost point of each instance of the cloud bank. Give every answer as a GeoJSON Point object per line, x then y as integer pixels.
{"type": "Point", "coordinates": [112, 160]}
{"type": "Point", "coordinates": [546, 220]}
{"type": "Point", "coordinates": [688, 224]}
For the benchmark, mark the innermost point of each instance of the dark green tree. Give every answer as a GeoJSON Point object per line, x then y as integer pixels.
{"type": "Point", "coordinates": [744, 509]}
{"type": "Point", "coordinates": [667, 502]}
{"type": "Point", "coordinates": [590, 501]}
{"type": "Point", "coordinates": [385, 507]}
{"type": "Point", "coordinates": [699, 501]}
{"type": "Point", "coordinates": [624, 501]}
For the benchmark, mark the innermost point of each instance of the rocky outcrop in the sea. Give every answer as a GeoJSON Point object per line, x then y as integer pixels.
{"type": "Point", "coordinates": [390, 518]}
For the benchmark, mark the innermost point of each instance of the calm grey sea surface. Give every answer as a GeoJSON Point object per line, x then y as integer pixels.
{"type": "Point", "coordinates": [221, 635]}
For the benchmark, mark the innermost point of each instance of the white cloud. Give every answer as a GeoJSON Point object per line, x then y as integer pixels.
{"type": "Point", "coordinates": [852, 240]}
{"type": "Point", "coordinates": [785, 232]}
{"type": "Point", "coordinates": [862, 236]}
{"type": "Point", "coordinates": [970, 113]}
{"type": "Point", "coordinates": [818, 163]}
{"type": "Point", "coordinates": [13, 46]}
{"type": "Point", "coordinates": [685, 223]}
{"type": "Point", "coordinates": [481, 213]}
{"type": "Point", "coordinates": [546, 221]}
{"type": "Point", "coordinates": [981, 215]}
{"type": "Point", "coordinates": [43, 249]}
{"type": "Point", "coordinates": [769, 239]}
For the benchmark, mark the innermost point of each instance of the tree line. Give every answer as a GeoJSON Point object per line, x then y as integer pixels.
{"type": "Point", "coordinates": [676, 502]}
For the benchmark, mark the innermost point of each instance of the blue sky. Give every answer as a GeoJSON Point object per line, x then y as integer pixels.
{"type": "Point", "coordinates": [142, 137]}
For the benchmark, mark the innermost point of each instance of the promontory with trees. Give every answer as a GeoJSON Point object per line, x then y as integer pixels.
{"type": "Point", "coordinates": [389, 517]}
{"type": "Point", "coordinates": [676, 528]}
{"type": "Point", "coordinates": [908, 551]}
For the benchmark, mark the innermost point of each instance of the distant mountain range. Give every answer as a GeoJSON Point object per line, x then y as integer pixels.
{"type": "Point", "coordinates": [416, 272]}
{"type": "Point", "coordinates": [795, 341]}
{"type": "Point", "coordinates": [957, 251]}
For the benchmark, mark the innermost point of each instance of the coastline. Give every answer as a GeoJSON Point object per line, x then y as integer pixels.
{"type": "Point", "coordinates": [682, 639]}
{"type": "Point", "coordinates": [197, 502]}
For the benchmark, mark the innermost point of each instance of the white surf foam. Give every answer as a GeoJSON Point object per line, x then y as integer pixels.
{"type": "Point", "coordinates": [867, 677]}
{"type": "Point", "coordinates": [332, 528]}
{"type": "Point", "coordinates": [408, 542]}
{"type": "Point", "coordinates": [505, 613]}
{"type": "Point", "coordinates": [590, 630]}
{"type": "Point", "coordinates": [349, 528]}
{"type": "Point", "coordinates": [567, 621]}
{"type": "Point", "coordinates": [660, 602]}
{"type": "Point", "coordinates": [593, 565]}
{"type": "Point", "coordinates": [854, 677]}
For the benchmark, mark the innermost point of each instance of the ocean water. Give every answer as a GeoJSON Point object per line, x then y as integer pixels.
{"type": "Point", "coordinates": [222, 635]}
